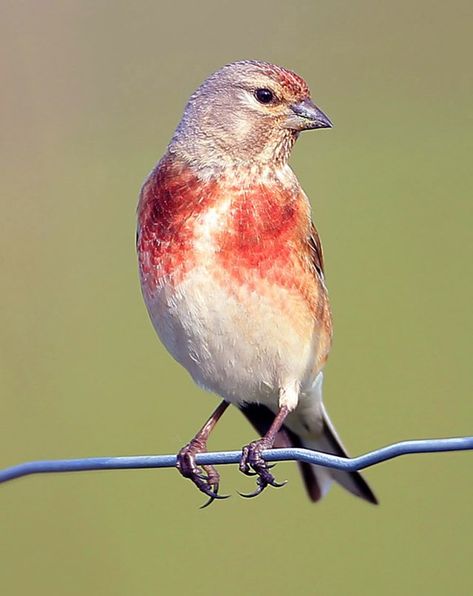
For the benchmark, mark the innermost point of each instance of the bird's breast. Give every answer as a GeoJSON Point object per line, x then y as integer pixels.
{"type": "Point", "coordinates": [246, 229]}
{"type": "Point", "coordinates": [227, 275]}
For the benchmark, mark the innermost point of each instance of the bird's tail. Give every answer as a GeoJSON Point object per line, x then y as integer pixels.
{"type": "Point", "coordinates": [317, 479]}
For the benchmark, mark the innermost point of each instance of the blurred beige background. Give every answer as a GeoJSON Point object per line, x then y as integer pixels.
{"type": "Point", "coordinates": [90, 94]}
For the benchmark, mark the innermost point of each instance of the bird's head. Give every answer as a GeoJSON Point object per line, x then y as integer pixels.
{"type": "Point", "coordinates": [247, 111]}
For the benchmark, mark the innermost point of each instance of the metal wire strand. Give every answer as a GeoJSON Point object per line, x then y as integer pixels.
{"type": "Point", "coordinates": [232, 457]}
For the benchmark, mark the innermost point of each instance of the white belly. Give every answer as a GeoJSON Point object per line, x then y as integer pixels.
{"type": "Point", "coordinates": [231, 339]}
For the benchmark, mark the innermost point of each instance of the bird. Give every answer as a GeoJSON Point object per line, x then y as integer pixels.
{"type": "Point", "coordinates": [232, 271]}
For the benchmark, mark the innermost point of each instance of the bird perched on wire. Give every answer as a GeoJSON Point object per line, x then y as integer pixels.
{"type": "Point", "coordinates": [232, 269]}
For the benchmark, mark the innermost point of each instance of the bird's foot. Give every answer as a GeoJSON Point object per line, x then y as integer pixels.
{"type": "Point", "coordinates": [252, 463]}
{"type": "Point", "coordinates": [206, 478]}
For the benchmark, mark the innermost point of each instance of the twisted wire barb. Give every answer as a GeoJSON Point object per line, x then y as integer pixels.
{"type": "Point", "coordinates": [232, 457]}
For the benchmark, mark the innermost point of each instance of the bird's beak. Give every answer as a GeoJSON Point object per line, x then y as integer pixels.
{"type": "Point", "coordinates": [305, 115]}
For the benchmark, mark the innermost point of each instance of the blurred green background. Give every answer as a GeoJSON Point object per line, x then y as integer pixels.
{"type": "Point", "coordinates": [90, 94]}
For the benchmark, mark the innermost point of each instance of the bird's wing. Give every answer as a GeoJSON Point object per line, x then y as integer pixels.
{"type": "Point", "coordinates": [316, 251]}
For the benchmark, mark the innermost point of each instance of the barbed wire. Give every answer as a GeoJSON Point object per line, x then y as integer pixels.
{"type": "Point", "coordinates": [232, 457]}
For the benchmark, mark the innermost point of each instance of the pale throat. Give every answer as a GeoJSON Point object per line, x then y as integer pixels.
{"type": "Point", "coordinates": [206, 154]}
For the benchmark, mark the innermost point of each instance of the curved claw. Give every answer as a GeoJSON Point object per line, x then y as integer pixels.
{"type": "Point", "coordinates": [278, 484]}
{"type": "Point", "coordinates": [211, 490]}
{"type": "Point", "coordinates": [212, 498]}
{"type": "Point", "coordinates": [262, 484]}
{"type": "Point", "coordinates": [260, 488]}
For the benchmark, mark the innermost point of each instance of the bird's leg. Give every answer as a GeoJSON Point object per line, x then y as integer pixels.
{"type": "Point", "coordinates": [251, 458]}
{"type": "Point", "coordinates": [208, 483]}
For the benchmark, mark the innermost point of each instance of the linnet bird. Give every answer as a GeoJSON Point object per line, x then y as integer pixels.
{"type": "Point", "coordinates": [232, 270]}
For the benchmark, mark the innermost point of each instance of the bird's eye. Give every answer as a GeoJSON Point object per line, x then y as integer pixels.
{"type": "Point", "coordinates": [265, 95]}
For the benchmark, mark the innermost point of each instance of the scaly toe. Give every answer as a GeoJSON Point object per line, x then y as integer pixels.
{"type": "Point", "coordinates": [206, 479]}
{"type": "Point", "coordinates": [252, 464]}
